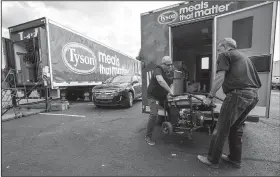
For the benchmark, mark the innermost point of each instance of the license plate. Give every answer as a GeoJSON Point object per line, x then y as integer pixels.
{"type": "Point", "coordinates": [103, 96]}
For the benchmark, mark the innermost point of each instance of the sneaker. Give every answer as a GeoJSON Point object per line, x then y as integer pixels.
{"type": "Point", "coordinates": [149, 141]}
{"type": "Point", "coordinates": [234, 164]}
{"type": "Point", "coordinates": [205, 161]}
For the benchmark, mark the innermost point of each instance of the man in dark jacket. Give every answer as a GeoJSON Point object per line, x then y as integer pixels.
{"type": "Point", "coordinates": [240, 82]}
{"type": "Point", "coordinates": [158, 89]}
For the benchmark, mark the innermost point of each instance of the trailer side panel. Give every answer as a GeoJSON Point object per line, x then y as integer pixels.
{"type": "Point", "coordinates": [76, 59]}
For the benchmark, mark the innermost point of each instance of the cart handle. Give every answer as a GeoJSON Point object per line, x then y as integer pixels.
{"type": "Point", "coordinates": [211, 105]}
{"type": "Point", "coordinates": [218, 98]}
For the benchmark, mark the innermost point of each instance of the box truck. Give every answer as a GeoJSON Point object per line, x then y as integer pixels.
{"type": "Point", "coordinates": [189, 32]}
{"type": "Point", "coordinates": [71, 63]}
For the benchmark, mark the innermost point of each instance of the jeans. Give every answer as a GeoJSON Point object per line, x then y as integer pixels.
{"type": "Point", "coordinates": [154, 107]}
{"type": "Point", "coordinates": [234, 111]}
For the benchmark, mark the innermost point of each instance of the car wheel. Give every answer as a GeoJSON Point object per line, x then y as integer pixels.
{"type": "Point", "coordinates": [129, 100]}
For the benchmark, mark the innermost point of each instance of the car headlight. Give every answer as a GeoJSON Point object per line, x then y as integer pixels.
{"type": "Point", "coordinates": [120, 90]}
{"type": "Point", "coordinates": [94, 91]}
{"type": "Point", "coordinates": [116, 92]}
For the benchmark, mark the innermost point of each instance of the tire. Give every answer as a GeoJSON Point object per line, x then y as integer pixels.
{"type": "Point", "coordinates": [82, 97]}
{"type": "Point", "coordinates": [71, 97]}
{"type": "Point", "coordinates": [91, 97]}
{"type": "Point", "coordinates": [129, 100]}
{"type": "Point", "coordinates": [167, 128]}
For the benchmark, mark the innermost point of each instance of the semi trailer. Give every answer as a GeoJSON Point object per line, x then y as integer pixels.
{"type": "Point", "coordinates": [69, 63]}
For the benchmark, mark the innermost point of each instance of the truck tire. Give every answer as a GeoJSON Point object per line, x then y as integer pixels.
{"type": "Point", "coordinates": [129, 100]}
{"type": "Point", "coordinates": [71, 96]}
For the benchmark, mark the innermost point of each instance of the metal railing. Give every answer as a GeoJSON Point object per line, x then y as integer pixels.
{"type": "Point", "coordinates": [9, 90]}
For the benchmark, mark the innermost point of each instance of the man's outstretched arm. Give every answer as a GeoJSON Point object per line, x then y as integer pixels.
{"type": "Point", "coordinates": [162, 83]}
{"type": "Point", "coordinates": [217, 83]}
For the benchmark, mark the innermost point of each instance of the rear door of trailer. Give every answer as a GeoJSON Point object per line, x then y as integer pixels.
{"type": "Point", "coordinates": [253, 28]}
{"type": "Point", "coordinates": [25, 31]}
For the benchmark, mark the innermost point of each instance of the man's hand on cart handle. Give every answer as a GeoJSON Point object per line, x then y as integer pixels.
{"type": "Point", "coordinates": [207, 101]}
{"type": "Point", "coordinates": [170, 94]}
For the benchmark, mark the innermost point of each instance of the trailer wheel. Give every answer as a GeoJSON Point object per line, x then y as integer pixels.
{"type": "Point", "coordinates": [167, 128]}
{"type": "Point", "coordinates": [71, 97]}
{"type": "Point", "coordinates": [129, 100]}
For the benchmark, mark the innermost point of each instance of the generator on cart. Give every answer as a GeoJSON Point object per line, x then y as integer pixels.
{"type": "Point", "coordinates": [187, 113]}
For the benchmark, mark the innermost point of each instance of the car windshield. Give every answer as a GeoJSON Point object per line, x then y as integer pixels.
{"type": "Point", "coordinates": [119, 79]}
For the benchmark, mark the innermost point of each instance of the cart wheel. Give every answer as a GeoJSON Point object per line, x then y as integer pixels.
{"type": "Point", "coordinates": [167, 128]}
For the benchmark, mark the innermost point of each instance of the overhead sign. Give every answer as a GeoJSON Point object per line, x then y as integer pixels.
{"type": "Point", "coordinates": [195, 10]}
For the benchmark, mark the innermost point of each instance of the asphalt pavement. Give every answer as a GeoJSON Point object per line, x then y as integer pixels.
{"type": "Point", "coordinates": [85, 140]}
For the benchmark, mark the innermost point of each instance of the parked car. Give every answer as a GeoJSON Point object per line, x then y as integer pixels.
{"type": "Point", "coordinates": [275, 83]}
{"type": "Point", "coordinates": [120, 90]}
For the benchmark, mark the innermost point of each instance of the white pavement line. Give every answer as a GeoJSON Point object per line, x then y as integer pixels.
{"type": "Point", "coordinates": [62, 115]}
{"type": "Point", "coordinates": [76, 104]}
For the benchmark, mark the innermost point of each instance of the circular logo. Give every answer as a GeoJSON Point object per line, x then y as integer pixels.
{"type": "Point", "coordinates": [167, 17]}
{"type": "Point", "coordinates": [79, 58]}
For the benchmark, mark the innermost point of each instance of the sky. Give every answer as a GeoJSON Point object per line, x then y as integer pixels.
{"type": "Point", "coordinates": [116, 24]}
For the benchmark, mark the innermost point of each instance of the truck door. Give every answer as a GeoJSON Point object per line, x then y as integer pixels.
{"type": "Point", "coordinates": [43, 50]}
{"type": "Point", "coordinates": [253, 28]}
{"type": "Point", "coordinates": [7, 59]}
{"type": "Point", "coordinates": [8, 51]}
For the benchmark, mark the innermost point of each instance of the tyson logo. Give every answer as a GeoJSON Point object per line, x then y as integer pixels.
{"type": "Point", "coordinates": [167, 17]}
{"type": "Point", "coordinates": [79, 58]}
